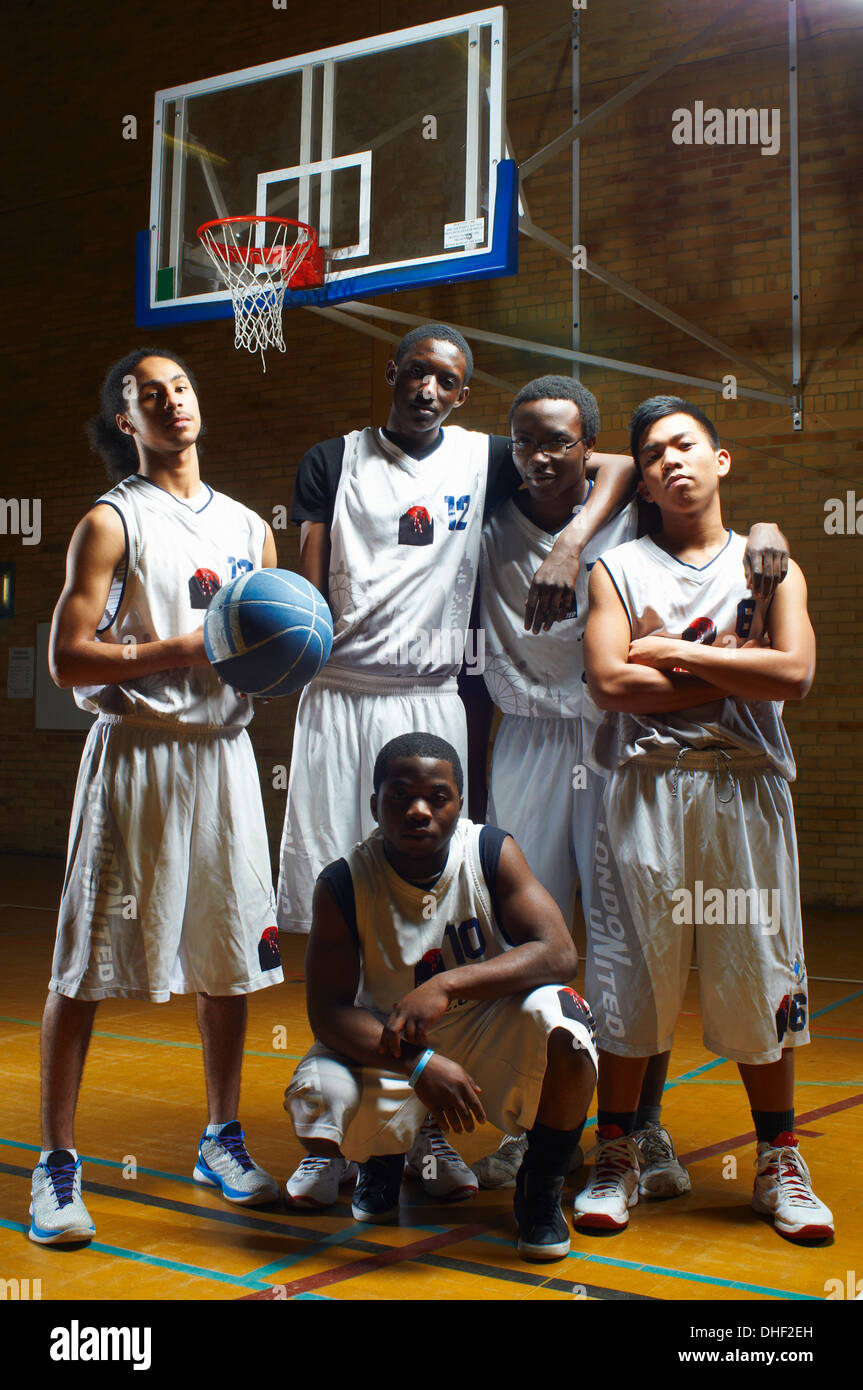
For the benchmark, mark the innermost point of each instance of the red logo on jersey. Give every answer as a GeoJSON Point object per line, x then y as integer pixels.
{"type": "Point", "coordinates": [416, 527]}
{"type": "Point", "coordinates": [702, 630]}
{"type": "Point", "coordinates": [431, 964]}
{"type": "Point", "coordinates": [268, 949]}
{"type": "Point", "coordinates": [203, 586]}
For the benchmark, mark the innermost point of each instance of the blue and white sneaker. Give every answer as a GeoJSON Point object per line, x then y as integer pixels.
{"type": "Point", "coordinates": [224, 1162]}
{"type": "Point", "coordinates": [57, 1211]}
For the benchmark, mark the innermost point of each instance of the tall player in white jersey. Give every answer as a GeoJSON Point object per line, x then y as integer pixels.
{"type": "Point", "coordinates": [391, 523]}
{"type": "Point", "coordinates": [435, 983]}
{"type": "Point", "coordinates": [168, 887]}
{"type": "Point", "coordinates": [696, 840]}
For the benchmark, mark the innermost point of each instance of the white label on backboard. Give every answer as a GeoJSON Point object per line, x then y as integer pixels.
{"type": "Point", "coordinates": [464, 233]}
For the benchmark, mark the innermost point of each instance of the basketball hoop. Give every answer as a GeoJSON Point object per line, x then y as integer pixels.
{"type": "Point", "coordinates": [259, 275]}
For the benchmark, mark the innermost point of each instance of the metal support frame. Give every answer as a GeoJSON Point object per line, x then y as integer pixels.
{"type": "Point", "coordinates": [787, 394]}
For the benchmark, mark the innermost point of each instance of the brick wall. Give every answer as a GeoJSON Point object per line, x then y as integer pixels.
{"type": "Point", "coordinates": [703, 229]}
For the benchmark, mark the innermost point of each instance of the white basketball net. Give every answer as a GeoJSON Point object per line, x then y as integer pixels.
{"type": "Point", "coordinates": [257, 276]}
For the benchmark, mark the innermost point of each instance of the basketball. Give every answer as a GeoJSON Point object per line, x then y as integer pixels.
{"type": "Point", "coordinates": [268, 632]}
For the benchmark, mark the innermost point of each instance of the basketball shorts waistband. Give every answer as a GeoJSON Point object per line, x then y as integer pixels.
{"type": "Point", "coordinates": [685, 758]}
{"type": "Point", "coordinates": [358, 683]}
{"type": "Point", "coordinates": [170, 730]}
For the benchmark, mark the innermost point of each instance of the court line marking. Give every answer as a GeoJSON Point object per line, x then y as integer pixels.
{"type": "Point", "coordinates": [252, 1279]}
{"type": "Point", "coordinates": [690, 1276]}
{"type": "Point", "coordinates": [164, 1042]}
{"type": "Point", "coordinates": [798, 1083]}
{"type": "Point", "coordinates": [738, 1140]}
{"type": "Point", "coordinates": [157, 1261]}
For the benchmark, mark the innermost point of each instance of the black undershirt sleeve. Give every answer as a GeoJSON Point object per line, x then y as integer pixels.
{"type": "Point", "coordinates": [317, 482]}
{"type": "Point", "coordinates": [503, 477]}
{"type": "Point", "coordinates": [337, 877]}
{"type": "Point", "coordinates": [490, 845]}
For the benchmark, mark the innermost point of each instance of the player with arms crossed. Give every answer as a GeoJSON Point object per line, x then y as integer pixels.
{"type": "Point", "coordinates": [697, 809]}
{"type": "Point", "coordinates": [391, 523]}
{"type": "Point", "coordinates": [542, 788]}
{"type": "Point", "coordinates": [433, 980]}
{"type": "Point", "coordinates": [168, 887]}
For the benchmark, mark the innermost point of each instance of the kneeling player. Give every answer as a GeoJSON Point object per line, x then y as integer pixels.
{"type": "Point", "coordinates": [696, 839]}
{"type": "Point", "coordinates": [445, 917]}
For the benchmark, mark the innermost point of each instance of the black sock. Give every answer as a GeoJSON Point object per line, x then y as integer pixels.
{"type": "Point", "coordinates": [551, 1151]}
{"type": "Point", "coordinates": [647, 1112]}
{"type": "Point", "coordinates": [769, 1124]}
{"type": "Point", "coordinates": [624, 1120]}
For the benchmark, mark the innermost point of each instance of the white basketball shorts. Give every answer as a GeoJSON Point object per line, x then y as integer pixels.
{"type": "Point", "coordinates": [168, 885]}
{"type": "Point", "coordinates": [341, 727]}
{"type": "Point", "coordinates": [502, 1045]}
{"type": "Point", "coordinates": [699, 853]}
{"type": "Point", "coordinates": [542, 792]}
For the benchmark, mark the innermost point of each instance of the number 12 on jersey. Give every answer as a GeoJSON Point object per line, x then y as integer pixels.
{"type": "Point", "coordinates": [457, 508]}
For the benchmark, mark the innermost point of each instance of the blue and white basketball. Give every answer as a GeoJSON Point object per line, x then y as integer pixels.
{"type": "Point", "coordinates": [268, 632]}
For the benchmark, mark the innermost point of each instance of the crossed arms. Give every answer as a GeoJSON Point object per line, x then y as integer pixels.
{"type": "Point", "coordinates": [638, 676]}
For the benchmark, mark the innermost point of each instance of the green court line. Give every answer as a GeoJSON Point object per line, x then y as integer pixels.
{"type": "Point", "coordinates": [160, 1042]}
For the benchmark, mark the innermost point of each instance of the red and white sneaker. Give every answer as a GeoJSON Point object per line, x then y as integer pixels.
{"type": "Point", "coordinates": [783, 1190]}
{"type": "Point", "coordinates": [604, 1204]}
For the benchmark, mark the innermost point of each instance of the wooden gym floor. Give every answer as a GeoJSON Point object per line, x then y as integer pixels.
{"type": "Point", "coordinates": [159, 1235]}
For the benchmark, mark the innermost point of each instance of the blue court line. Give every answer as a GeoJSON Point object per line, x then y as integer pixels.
{"type": "Point", "coordinates": [242, 1280]}
{"type": "Point", "coordinates": [691, 1278]}
{"type": "Point", "coordinates": [160, 1042]}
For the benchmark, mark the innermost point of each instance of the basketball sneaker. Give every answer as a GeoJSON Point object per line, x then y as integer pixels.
{"type": "Point", "coordinates": [662, 1174]}
{"type": "Point", "coordinates": [604, 1204]}
{"type": "Point", "coordinates": [435, 1163]}
{"type": "Point", "coordinates": [376, 1195]}
{"type": "Point", "coordinates": [783, 1190]}
{"type": "Point", "coordinates": [542, 1230]}
{"type": "Point", "coordinates": [317, 1181]}
{"type": "Point", "coordinates": [57, 1208]}
{"type": "Point", "coordinates": [224, 1162]}
{"type": "Point", "coordinates": [499, 1169]}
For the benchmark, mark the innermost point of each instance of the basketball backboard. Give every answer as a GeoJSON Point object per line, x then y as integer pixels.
{"type": "Point", "coordinates": [393, 147]}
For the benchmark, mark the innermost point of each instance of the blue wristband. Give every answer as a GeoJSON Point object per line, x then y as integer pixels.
{"type": "Point", "coordinates": [420, 1067]}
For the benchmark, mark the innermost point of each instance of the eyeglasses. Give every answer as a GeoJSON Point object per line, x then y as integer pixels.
{"type": "Point", "coordinates": [526, 448]}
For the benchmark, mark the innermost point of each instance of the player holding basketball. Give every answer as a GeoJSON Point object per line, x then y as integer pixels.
{"type": "Point", "coordinates": [167, 885]}
{"type": "Point", "coordinates": [697, 809]}
{"type": "Point", "coordinates": [434, 984]}
{"type": "Point", "coordinates": [542, 788]}
{"type": "Point", "coordinates": [391, 522]}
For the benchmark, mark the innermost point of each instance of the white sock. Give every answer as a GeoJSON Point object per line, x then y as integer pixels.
{"type": "Point", "coordinates": [212, 1130]}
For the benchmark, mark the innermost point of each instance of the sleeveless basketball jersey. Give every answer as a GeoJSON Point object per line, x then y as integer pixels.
{"type": "Point", "coordinates": [178, 553]}
{"type": "Point", "coordinates": [407, 933]}
{"type": "Point", "coordinates": [539, 675]}
{"type": "Point", "coordinates": [405, 541]}
{"type": "Point", "coordinates": [664, 596]}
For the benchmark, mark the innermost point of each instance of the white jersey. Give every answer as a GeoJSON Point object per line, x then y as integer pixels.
{"type": "Point", "coordinates": [663, 596]}
{"type": "Point", "coordinates": [539, 675]}
{"type": "Point", "coordinates": [407, 932]}
{"type": "Point", "coordinates": [405, 539]}
{"type": "Point", "coordinates": [178, 554]}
